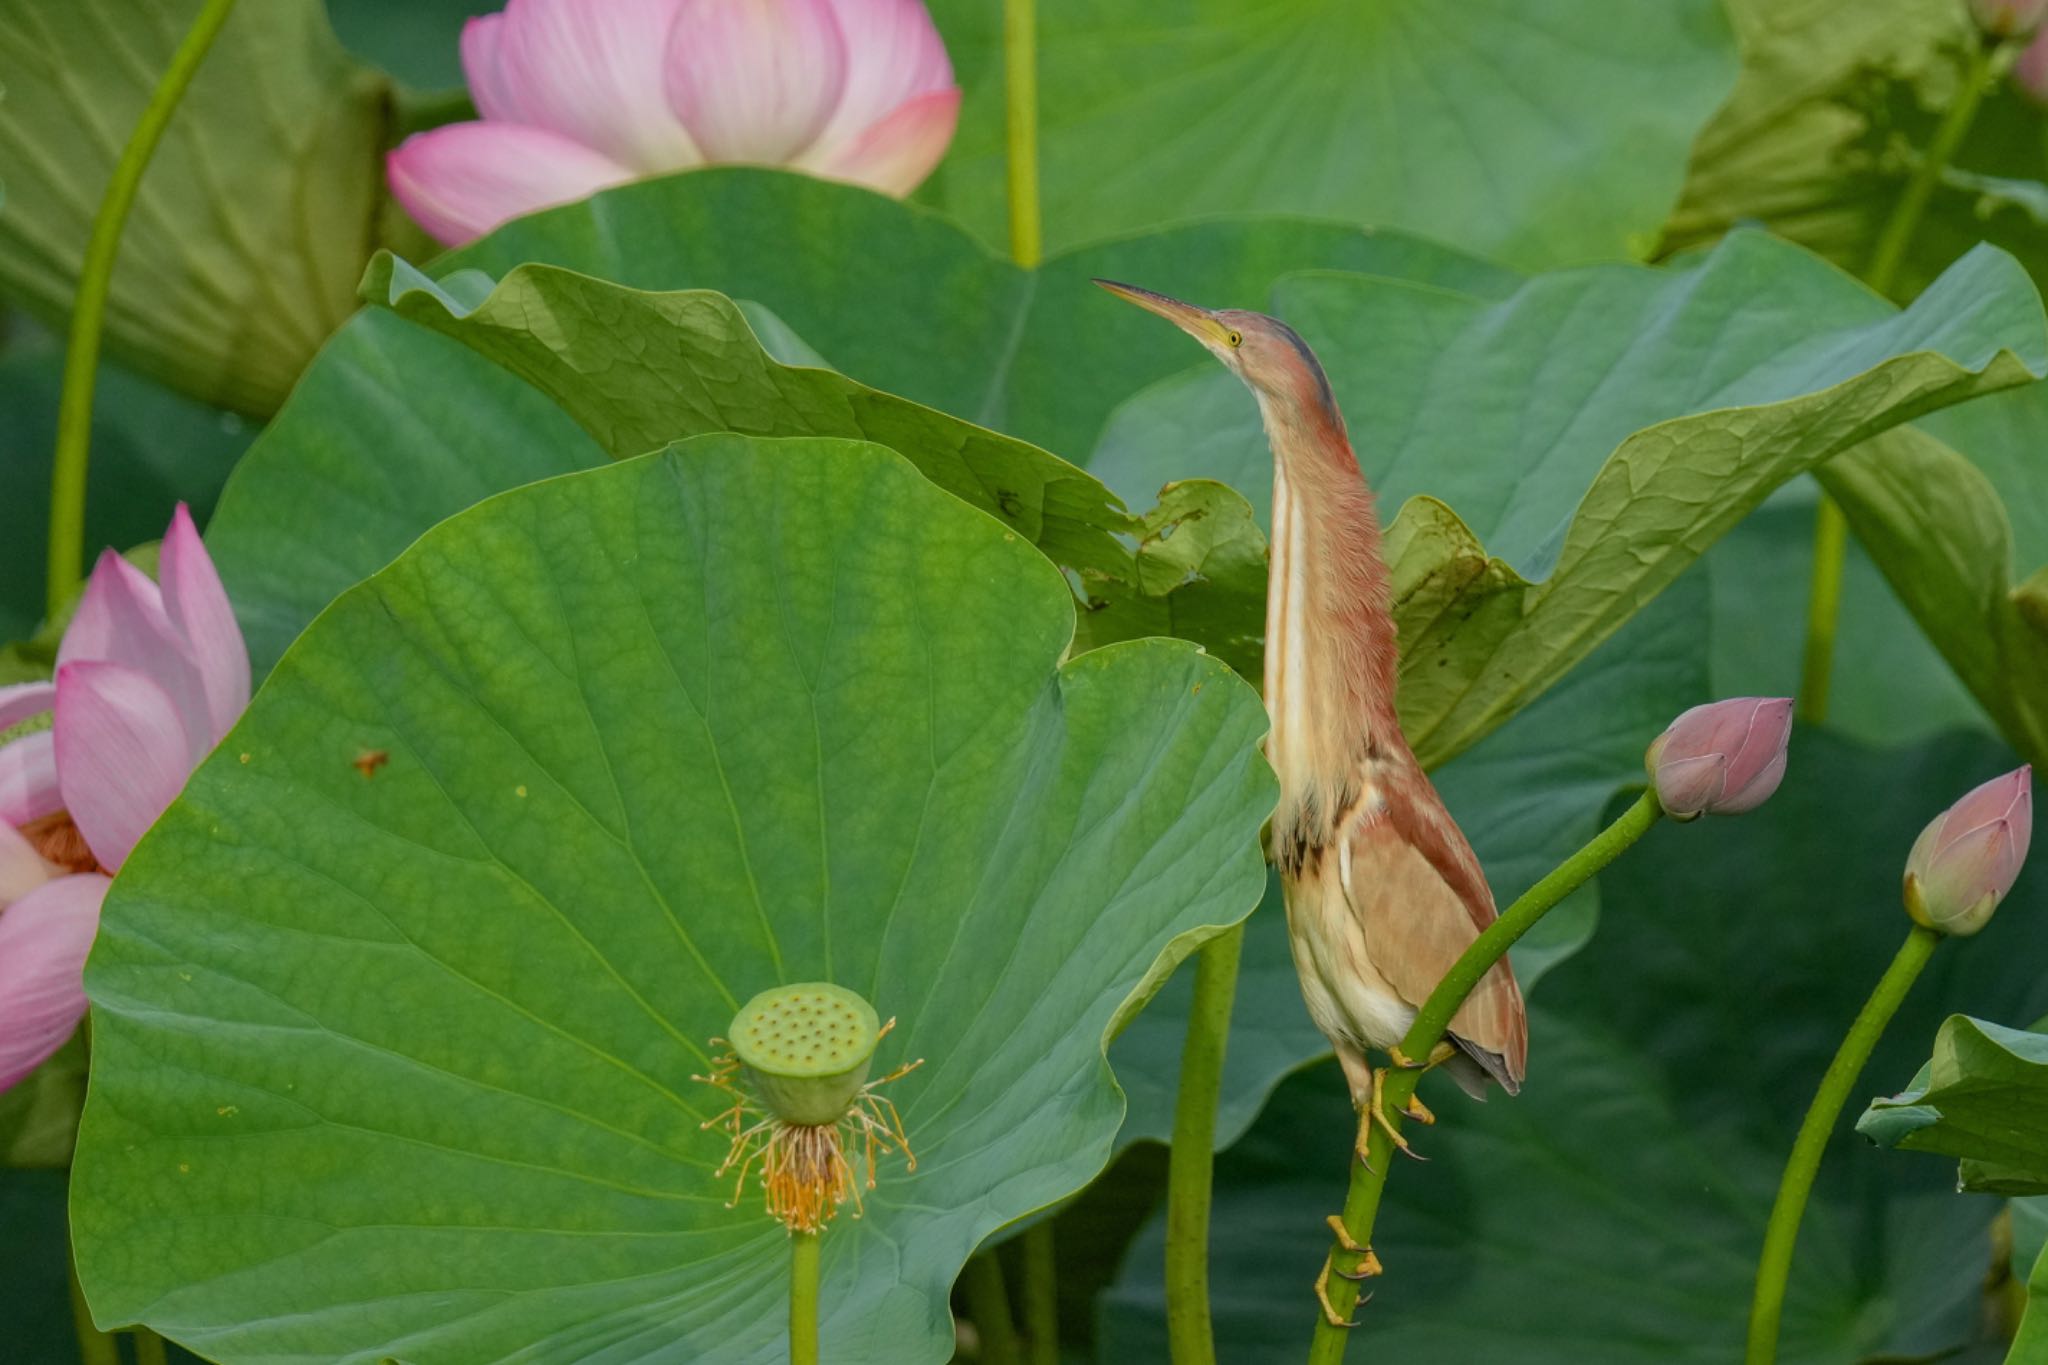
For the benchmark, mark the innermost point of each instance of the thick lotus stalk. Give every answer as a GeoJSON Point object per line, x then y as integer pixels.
{"type": "Point", "coordinates": [1967, 858]}
{"type": "Point", "coordinates": [797, 1075]}
{"type": "Point", "coordinates": [578, 95]}
{"type": "Point", "coordinates": [1722, 758]}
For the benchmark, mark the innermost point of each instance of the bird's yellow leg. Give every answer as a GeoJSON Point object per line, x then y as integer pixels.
{"type": "Point", "coordinates": [1330, 1313]}
{"type": "Point", "coordinates": [1438, 1055]}
{"type": "Point", "coordinates": [1368, 1266]}
{"type": "Point", "coordinates": [1376, 1113]}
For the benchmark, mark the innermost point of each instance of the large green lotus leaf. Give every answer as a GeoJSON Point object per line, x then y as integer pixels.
{"type": "Point", "coordinates": [402, 1065]}
{"type": "Point", "coordinates": [2006, 436]}
{"type": "Point", "coordinates": [393, 429]}
{"type": "Point", "coordinates": [906, 300]}
{"type": "Point", "coordinates": [1835, 101]}
{"type": "Point", "coordinates": [1543, 131]}
{"type": "Point", "coordinates": [1594, 432]}
{"type": "Point", "coordinates": [417, 41]}
{"type": "Point", "coordinates": [638, 368]}
{"type": "Point", "coordinates": [1939, 529]}
{"type": "Point", "coordinates": [1613, 1211]}
{"type": "Point", "coordinates": [1891, 686]}
{"type": "Point", "coordinates": [1527, 796]}
{"type": "Point", "coordinates": [1983, 1097]}
{"type": "Point", "coordinates": [258, 210]}
{"type": "Point", "coordinates": [150, 448]}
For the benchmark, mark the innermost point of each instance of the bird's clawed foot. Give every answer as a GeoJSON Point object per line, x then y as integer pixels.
{"type": "Point", "coordinates": [1330, 1313]}
{"type": "Point", "coordinates": [1375, 1112]}
{"type": "Point", "coordinates": [1438, 1055]}
{"type": "Point", "coordinates": [1368, 1266]}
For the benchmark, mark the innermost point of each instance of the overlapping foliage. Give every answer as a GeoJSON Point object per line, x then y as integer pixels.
{"type": "Point", "coordinates": [345, 1045]}
{"type": "Point", "coordinates": [437, 1026]}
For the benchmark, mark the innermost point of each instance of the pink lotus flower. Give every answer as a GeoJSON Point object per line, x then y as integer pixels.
{"type": "Point", "coordinates": [149, 677]}
{"type": "Point", "coordinates": [2009, 18]}
{"type": "Point", "coordinates": [578, 95]}
{"type": "Point", "coordinates": [2030, 72]}
{"type": "Point", "coordinates": [1965, 861]}
{"type": "Point", "coordinates": [1722, 758]}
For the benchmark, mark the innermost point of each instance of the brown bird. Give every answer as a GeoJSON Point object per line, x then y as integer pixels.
{"type": "Point", "coordinates": [1383, 891]}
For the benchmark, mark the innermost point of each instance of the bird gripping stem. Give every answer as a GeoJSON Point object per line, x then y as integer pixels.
{"type": "Point", "coordinates": [1432, 1022]}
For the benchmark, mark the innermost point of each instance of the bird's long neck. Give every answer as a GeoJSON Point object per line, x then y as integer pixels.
{"type": "Point", "coordinates": [1330, 642]}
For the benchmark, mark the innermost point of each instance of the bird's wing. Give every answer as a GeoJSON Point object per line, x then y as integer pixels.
{"type": "Point", "coordinates": [1421, 899]}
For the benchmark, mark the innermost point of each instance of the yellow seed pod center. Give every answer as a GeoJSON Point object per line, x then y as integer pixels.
{"type": "Point", "coordinates": [808, 1047]}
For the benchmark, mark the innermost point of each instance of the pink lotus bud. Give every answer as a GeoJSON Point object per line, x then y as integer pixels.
{"type": "Point", "coordinates": [1722, 758]}
{"type": "Point", "coordinates": [579, 95]}
{"type": "Point", "coordinates": [1965, 861]}
{"type": "Point", "coordinates": [2009, 18]}
{"type": "Point", "coordinates": [2030, 72]}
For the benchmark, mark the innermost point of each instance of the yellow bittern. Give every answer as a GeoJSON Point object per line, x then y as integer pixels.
{"type": "Point", "coordinates": [1383, 892]}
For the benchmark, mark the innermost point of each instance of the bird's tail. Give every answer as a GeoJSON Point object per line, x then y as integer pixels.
{"type": "Point", "coordinates": [1474, 1067]}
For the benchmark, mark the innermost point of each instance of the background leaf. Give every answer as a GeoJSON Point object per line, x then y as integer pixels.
{"type": "Point", "coordinates": [1891, 686]}
{"type": "Point", "coordinates": [1939, 529]}
{"type": "Point", "coordinates": [261, 205]}
{"type": "Point", "coordinates": [393, 428]}
{"type": "Point", "coordinates": [400, 1066]}
{"type": "Point", "coordinates": [1982, 1097]}
{"type": "Point", "coordinates": [150, 448]}
{"type": "Point", "coordinates": [638, 369]}
{"type": "Point", "coordinates": [905, 300]}
{"type": "Point", "coordinates": [1544, 133]}
{"type": "Point", "coordinates": [1613, 1211]}
{"type": "Point", "coordinates": [1823, 130]}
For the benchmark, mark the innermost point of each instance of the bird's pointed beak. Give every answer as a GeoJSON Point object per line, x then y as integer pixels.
{"type": "Point", "coordinates": [1199, 323]}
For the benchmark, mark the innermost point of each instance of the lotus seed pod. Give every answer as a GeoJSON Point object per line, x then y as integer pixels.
{"type": "Point", "coordinates": [807, 1048]}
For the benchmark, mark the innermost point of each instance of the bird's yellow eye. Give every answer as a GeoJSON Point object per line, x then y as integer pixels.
{"type": "Point", "coordinates": [1234, 338]}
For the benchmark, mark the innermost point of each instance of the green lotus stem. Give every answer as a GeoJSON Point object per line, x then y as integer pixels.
{"type": "Point", "coordinates": [89, 311]}
{"type": "Point", "coordinates": [803, 1298]}
{"type": "Point", "coordinates": [1774, 1266]}
{"type": "Point", "coordinates": [1987, 61]}
{"type": "Point", "coordinates": [94, 1346]}
{"type": "Point", "coordinates": [1020, 101]}
{"type": "Point", "coordinates": [1369, 1177]}
{"type": "Point", "coordinates": [988, 1303]}
{"type": "Point", "coordinates": [149, 1347]}
{"type": "Point", "coordinates": [1191, 1159]}
{"type": "Point", "coordinates": [1041, 1294]}
{"type": "Point", "coordinates": [1823, 610]}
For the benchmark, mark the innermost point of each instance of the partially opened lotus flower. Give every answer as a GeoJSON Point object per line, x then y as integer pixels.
{"type": "Point", "coordinates": [2030, 72]}
{"type": "Point", "coordinates": [149, 677]}
{"type": "Point", "coordinates": [1722, 758]}
{"type": "Point", "coordinates": [1968, 857]}
{"type": "Point", "coordinates": [2009, 18]}
{"type": "Point", "coordinates": [578, 95]}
